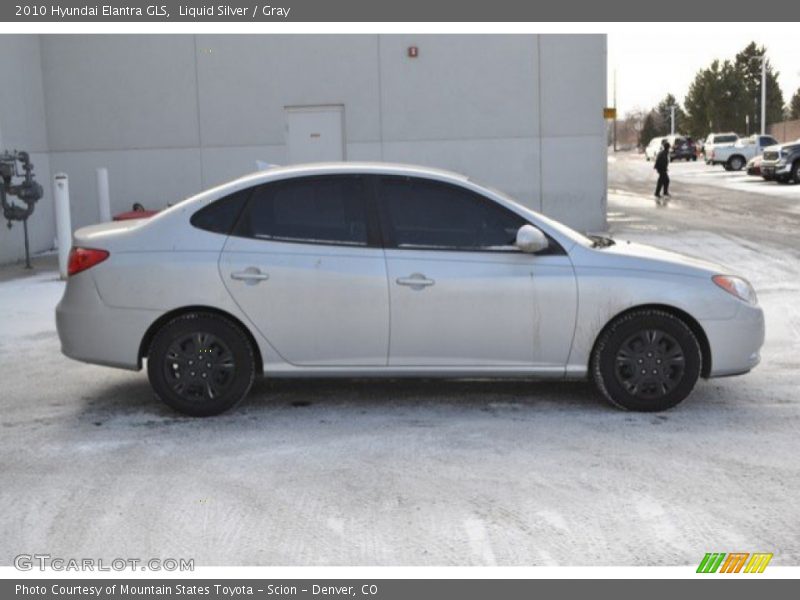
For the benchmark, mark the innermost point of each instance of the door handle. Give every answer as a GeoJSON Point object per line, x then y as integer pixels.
{"type": "Point", "coordinates": [250, 275]}
{"type": "Point", "coordinates": [416, 281]}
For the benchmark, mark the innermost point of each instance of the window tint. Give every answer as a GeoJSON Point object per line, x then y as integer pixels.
{"type": "Point", "coordinates": [430, 214]}
{"type": "Point", "coordinates": [220, 216]}
{"type": "Point", "coordinates": [312, 209]}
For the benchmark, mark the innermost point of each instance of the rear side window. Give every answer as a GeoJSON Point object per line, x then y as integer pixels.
{"type": "Point", "coordinates": [430, 214]}
{"type": "Point", "coordinates": [317, 210]}
{"type": "Point", "coordinates": [724, 139]}
{"type": "Point", "coordinates": [220, 216]}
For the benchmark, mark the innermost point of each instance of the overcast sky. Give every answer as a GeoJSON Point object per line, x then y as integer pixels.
{"type": "Point", "coordinates": [656, 61]}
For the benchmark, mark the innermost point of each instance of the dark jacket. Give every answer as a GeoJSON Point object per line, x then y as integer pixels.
{"type": "Point", "coordinates": [662, 161]}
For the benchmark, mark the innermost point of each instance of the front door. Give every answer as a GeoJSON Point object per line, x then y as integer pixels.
{"type": "Point", "coordinates": [302, 265]}
{"type": "Point", "coordinates": [461, 294]}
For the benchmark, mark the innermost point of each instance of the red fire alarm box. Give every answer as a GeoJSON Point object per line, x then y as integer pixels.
{"type": "Point", "coordinates": [413, 52]}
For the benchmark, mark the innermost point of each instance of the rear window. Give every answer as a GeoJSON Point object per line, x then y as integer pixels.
{"type": "Point", "coordinates": [724, 139]}
{"type": "Point", "coordinates": [220, 216]}
{"type": "Point", "coordinates": [317, 210]}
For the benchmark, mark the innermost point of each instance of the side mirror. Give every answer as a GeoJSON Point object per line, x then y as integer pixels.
{"type": "Point", "coordinates": [530, 239]}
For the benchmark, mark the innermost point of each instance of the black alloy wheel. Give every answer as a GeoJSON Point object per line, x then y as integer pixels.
{"type": "Point", "coordinates": [646, 360]}
{"type": "Point", "coordinates": [201, 364]}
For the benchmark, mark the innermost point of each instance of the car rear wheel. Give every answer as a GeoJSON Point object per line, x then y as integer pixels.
{"type": "Point", "coordinates": [736, 163]}
{"type": "Point", "coordinates": [647, 360]}
{"type": "Point", "coordinates": [201, 364]}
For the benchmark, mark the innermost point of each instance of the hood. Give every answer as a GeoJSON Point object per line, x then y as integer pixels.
{"type": "Point", "coordinates": [641, 257]}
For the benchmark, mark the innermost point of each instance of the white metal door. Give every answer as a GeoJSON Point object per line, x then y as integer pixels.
{"type": "Point", "coordinates": [315, 133]}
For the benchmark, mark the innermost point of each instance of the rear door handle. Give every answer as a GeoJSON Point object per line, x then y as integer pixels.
{"type": "Point", "coordinates": [416, 281]}
{"type": "Point", "coordinates": [250, 275]}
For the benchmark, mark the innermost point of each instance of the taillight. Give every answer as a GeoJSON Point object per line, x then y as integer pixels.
{"type": "Point", "coordinates": [81, 259]}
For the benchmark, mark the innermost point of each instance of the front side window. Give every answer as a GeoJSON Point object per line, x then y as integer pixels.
{"type": "Point", "coordinates": [318, 210]}
{"type": "Point", "coordinates": [423, 213]}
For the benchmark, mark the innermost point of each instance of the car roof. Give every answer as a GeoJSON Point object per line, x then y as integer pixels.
{"type": "Point", "coordinates": [357, 167]}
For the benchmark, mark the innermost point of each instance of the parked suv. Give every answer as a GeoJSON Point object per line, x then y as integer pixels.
{"type": "Point", "coordinates": [717, 139]}
{"type": "Point", "coordinates": [681, 147]}
{"type": "Point", "coordinates": [734, 157]}
{"type": "Point", "coordinates": [782, 162]}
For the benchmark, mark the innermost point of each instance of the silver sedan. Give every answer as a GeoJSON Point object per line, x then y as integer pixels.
{"type": "Point", "coordinates": [364, 269]}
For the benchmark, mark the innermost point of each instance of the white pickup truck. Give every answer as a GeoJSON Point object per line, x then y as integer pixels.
{"type": "Point", "coordinates": [735, 156]}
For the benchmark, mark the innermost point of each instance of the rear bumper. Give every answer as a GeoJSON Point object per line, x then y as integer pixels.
{"type": "Point", "coordinates": [92, 332]}
{"type": "Point", "coordinates": [735, 343]}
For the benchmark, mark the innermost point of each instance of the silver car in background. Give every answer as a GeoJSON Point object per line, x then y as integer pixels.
{"type": "Point", "coordinates": [367, 269]}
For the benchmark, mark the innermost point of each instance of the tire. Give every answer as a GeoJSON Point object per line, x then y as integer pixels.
{"type": "Point", "coordinates": [796, 171]}
{"type": "Point", "coordinates": [736, 163]}
{"type": "Point", "coordinates": [646, 339]}
{"type": "Point", "coordinates": [694, 159]}
{"type": "Point", "coordinates": [201, 364]}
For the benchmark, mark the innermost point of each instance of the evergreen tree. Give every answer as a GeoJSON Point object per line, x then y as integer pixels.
{"type": "Point", "coordinates": [649, 130]}
{"type": "Point", "coordinates": [725, 95]}
{"type": "Point", "coordinates": [665, 115]}
{"type": "Point", "coordinates": [748, 65]}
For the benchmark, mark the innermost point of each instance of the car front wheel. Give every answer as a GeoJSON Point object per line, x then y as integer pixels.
{"type": "Point", "coordinates": [647, 360]}
{"type": "Point", "coordinates": [201, 364]}
{"type": "Point", "coordinates": [796, 172]}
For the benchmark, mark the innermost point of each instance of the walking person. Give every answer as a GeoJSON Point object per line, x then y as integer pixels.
{"type": "Point", "coordinates": [662, 166]}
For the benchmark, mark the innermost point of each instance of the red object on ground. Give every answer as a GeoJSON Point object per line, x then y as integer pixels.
{"type": "Point", "coordinates": [135, 214]}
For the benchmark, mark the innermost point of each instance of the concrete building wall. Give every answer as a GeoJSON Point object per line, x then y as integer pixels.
{"type": "Point", "coordinates": [172, 115]}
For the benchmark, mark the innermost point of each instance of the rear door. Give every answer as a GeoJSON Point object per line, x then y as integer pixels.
{"type": "Point", "coordinates": [305, 265]}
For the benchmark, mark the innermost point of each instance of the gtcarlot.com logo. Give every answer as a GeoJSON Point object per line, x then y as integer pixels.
{"type": "Point", "coordinates": [734, 562]}
{"type": "Point", "coordinates": [42, 562]}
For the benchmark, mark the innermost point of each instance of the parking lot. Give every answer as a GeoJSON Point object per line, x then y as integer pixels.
{"type": "Point", "coordinates": [422, 472]}
{"type": "Point", "coordinates": [699, 173]}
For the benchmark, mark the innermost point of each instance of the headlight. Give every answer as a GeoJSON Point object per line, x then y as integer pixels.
{"type": "Point", "coordinates": [736, 286]}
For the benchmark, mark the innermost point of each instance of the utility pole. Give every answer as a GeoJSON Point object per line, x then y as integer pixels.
{"type": "Point", "coordinates": [672, 119]}
{"type": "Point", "coordinates": [763, 59]}
{"type": "Point", "coordinates": [615, 110]}
{"type": "Point", "coordinates": [764, 94]}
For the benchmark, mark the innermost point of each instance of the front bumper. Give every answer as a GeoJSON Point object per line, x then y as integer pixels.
{"type": "Point", "coordinates": [772, 170]}
{"type": "Point", "coordinates": [735, 343]}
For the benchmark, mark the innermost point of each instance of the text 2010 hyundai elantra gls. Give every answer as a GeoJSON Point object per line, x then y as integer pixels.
{"type": "Point", "coordinates": [360, 269]}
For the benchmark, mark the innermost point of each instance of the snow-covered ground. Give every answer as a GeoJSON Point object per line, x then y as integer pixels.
{"type": "Point", "coordinates": [407, 472]}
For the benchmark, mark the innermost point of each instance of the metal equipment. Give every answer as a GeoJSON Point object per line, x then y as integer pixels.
{"type": "Point", "coordinates": [28, 191]}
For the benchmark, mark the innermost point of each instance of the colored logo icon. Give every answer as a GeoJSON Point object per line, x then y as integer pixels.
{"type": "Point", "coordinates": [734, 562]}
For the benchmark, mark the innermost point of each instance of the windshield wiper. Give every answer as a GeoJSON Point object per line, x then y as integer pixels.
{"type": "Point", "coordinates": [599, 241]}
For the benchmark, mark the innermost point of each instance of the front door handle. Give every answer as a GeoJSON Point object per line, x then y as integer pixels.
{"type": "Point", "coordinates": [417, 281]}
{"type": "Point", "coordinates": [250, 275]}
